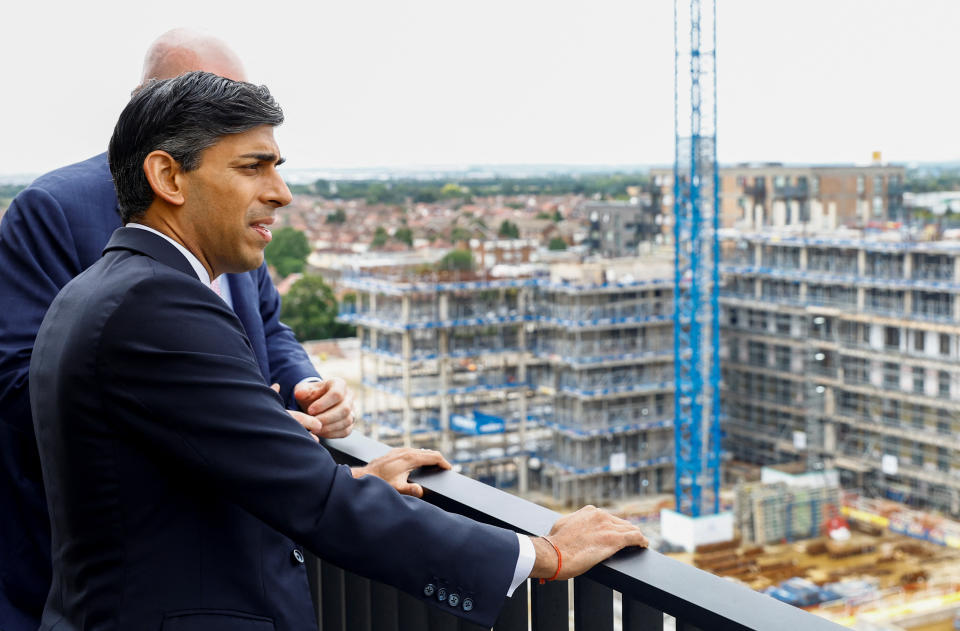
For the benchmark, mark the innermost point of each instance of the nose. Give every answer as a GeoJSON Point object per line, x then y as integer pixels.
{"type": "Point", "coordinates": [278, 194]}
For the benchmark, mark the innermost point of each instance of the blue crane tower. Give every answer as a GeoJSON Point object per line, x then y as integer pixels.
{"type": "Point", "coordinates": [696, 333]}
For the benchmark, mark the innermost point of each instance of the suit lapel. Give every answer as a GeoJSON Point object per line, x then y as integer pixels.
{"type": "Point", "coordinates": [245, 296]}
{"type": "Point", "coordinates": [243, 289]}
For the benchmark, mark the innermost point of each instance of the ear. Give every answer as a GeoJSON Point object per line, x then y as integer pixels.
{"type": "Point", "coordinates": [163, 173]}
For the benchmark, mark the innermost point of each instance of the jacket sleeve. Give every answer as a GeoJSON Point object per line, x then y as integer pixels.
{"type": "Point", "coordinates": [289, 363]}
{"type": "Point", "coordinates": [37, 258]}
{"type": "Point", "coordinates": [203, 406]}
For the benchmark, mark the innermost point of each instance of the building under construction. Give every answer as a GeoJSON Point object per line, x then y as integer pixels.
{"type": "Point", "coordinates": [444, 364]}
{"type": "Point", "coordinates": [575, 366]}
{"type": "Point", "coordinates": [843, 353]}
{"type": "Point", "coordinates": [837, 353]}
{"type": "Point", "coordinates": [608, 339]}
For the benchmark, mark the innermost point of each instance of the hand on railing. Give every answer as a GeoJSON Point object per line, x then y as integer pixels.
{"type": "Point", "coordinates": [396, 465]}
{"type": "Point", "coordinates": [330, 403]}
{"type": "Point", "coordinates": [583, 539]}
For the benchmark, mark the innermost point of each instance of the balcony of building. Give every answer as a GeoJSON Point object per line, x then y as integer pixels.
{"type": "Point", "coordinates": [798, 190]}
{"type": "Point", "coordinates": [634, 590]}
{"type": "Point", "coordinates": [757, 188]}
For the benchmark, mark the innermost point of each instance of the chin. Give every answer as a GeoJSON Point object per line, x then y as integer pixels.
{"type": "Point", "coordinates": [255, 262]}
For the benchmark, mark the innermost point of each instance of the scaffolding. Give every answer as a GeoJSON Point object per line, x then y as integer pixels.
{"type": "Point", "coordinates": [444, 364]}
{"type": "Point", "coordinates": [609, 352]}
{"type": "Point", "coordinates": [836, 352]}
{"type": "Point", "coordinates": [873, 388]}
{"type": "Point", "coordinates": [577, 373]}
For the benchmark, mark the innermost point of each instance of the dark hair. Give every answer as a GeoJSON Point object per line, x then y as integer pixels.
{"type": "Point", "coordinates": [182, 116]}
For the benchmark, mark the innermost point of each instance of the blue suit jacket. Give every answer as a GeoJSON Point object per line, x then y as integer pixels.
{"type": "Point", "coordinates": [54, 230]}
{"type": "Point", "coordinates": [174, 474]}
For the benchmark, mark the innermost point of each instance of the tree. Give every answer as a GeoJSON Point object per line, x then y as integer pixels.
{"type": "Point", "coordinates": [509, 230]}
{"type": "Point", "coordinates": [557, 243]}
{"type": "Point", "coordinates": [287, 251]}
{"type": "Point", "coordinates": [459, 260]}
{"type": "Point", "coordinates": [404, 235]}
{"type": "Point", "coordinates": [380, 193]}
{"type": "Point", "coordinates": [460, 233]}
{"type": "Point", "coordinates": [426, 196]}
{"type": "Point", "coordinates": [557, 216]}
{"type": "Point", "coordinates": [310, 309]}
{"type": "Point", "coordinates": [453, 191]}
{"type": "Point", "coordinates": [379, 237]}
{"type": "Point", "coordinates": [337, 216]}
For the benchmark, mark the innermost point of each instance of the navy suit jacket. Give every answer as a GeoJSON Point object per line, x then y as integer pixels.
{"type": "Point", "coordinates": [54, 230]}
{"type": "Point", "coordinates": [174, 474]}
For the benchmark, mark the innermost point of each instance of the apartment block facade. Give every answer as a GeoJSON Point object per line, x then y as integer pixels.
{"type": "Point", "coordinates": [846, 354]}
{"type": "Point", "coordinates": [619, 228]}
{"type": "Point", "coordinates": [817, 198]}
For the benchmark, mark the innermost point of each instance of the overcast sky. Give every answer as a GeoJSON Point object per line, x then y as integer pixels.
{"type": "Point", "coordinates": [368, 83]}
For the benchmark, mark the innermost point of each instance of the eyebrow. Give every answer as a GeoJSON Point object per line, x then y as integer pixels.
{"type": "Point", "coordinates": [265, 157]}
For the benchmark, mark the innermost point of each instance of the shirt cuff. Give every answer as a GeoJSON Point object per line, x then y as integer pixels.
{"type": "Point", "coordinates": [309, 380]}
{"type": "Point", "coordinates": [525, 561]}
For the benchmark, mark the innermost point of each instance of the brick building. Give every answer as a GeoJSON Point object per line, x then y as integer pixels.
{"type": "Point", "coordinates": [812, 197]}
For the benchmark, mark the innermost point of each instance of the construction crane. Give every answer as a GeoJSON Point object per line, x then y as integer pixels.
{"type": "Point", "coordinates": [696, 257]}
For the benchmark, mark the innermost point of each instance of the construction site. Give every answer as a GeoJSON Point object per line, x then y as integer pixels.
{"type": "Point", "coordinates": [560, 383]}
{"type": "Point", "coordinates": [770, 384]}
{"type": "Point", "coordinates": [843, 354]}
{"type": "Point", "coordinates": [840, 382]}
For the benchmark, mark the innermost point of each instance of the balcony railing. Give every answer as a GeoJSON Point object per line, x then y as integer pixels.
{"type": "Point", "coordinates": [650, 584]}
{"type": "Point", "coordinates": [795, 191]}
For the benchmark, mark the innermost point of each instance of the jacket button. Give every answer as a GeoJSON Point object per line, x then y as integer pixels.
{"type": "Point", "coordinates": [468, 604]}
{"type": "Point", "coordinates": [429, 589]}
{"type": "Point", "coordinates": [442, 594]}
{"type": "Point", "coordinates": [454, 600]}
{"type": "Point", "coordinates": [297, 555]}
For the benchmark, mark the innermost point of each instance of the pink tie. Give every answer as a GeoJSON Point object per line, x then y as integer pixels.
{"type": "Point", "coordinates": [215, 286]}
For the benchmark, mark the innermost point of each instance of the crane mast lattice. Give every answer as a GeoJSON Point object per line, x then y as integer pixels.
{"type": "Point", "coordinates": [696, 258]}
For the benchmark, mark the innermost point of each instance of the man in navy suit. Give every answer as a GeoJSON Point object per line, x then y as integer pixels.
{"type": "Point", "coordinates": [174, 475]}
{"type": "Point", "coordinates": [54, 230]}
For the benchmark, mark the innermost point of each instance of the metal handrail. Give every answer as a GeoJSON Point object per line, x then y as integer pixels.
{"type": "Point", "coordinates": [650, 583]}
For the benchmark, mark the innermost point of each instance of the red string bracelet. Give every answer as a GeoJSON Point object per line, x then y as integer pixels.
{"type": "Point", "coordinates": [559, 562]}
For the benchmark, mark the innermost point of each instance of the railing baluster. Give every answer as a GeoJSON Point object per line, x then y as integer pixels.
{"type": "Point", "coordinates": [638, 616]}
{"type": "Point", "coordinates": [592, 606]}
{"type": "Point", "coordinates": [356, 591]}
{"type": "Point", "coordinates": [312, 565]}
{"type": "Point", "coordinates": [549, 606]}
{"type": "Point", "coordinates": [331, 597]}
{"type": "Point", "coordinates": [470, 626]}
{"type": "Point", "coordinates": [413, 613]}
{"type": "Point", "coordinates": [441, 620]}
{"type": "Point", "coordinates": [513, 616]}
{"type": "Point", "coordinates": [384, 611]}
